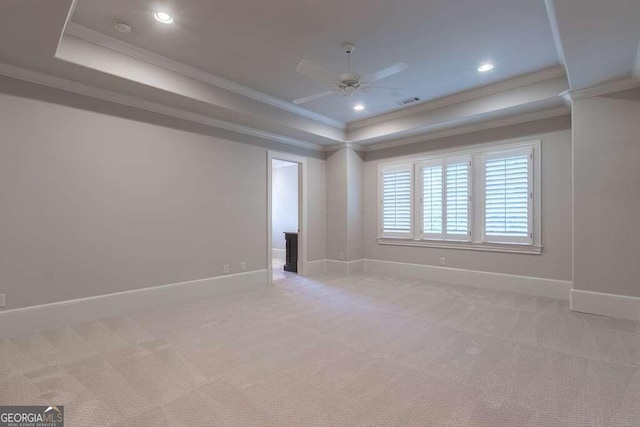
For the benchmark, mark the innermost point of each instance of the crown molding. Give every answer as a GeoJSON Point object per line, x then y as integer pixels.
{"type": "Point", "coordinates": [601, 89]}
{"type": "Point", "coordinates": [130, 101]}
{"type": "Point", "coordinates": [468, 95]}
{"type": "Point", "coordinates": [460, 130]}
{"type": "Point", "coordinates": [353, 145]}
{"type": "Point", "coordinates": [128, 49]}
{"type": "Point", "coordinates": [118, 98]}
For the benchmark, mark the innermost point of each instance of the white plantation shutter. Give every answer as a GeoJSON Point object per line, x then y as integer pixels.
{"type": "Point", "coordinates": [509, 196]}
{"type": "Point", "coordinates": [396, 201]}
{"type": "Point", "coordinates": [432, 200]}
{"type": "Point", "coordinates": [458, 204]}
{"type": "Point", "coordinates": [481, 197]}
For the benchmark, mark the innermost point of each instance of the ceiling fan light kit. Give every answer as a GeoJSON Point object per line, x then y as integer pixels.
{"type": "Point", "coordinates": [346, 84]}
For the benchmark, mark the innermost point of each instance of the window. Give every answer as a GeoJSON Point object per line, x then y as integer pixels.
{"type": "Point", "coordinates": [432, 200]}
{"type": "Point", "coordinates": [445, 199]}
{"type": "Point", "coordinates": [397, 201]}
{"type": "Point", "coordinates": [483, 198]}
{"type": "Point", "coordinates": [508, 197]}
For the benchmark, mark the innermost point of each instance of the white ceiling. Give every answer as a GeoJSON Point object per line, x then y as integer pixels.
{"type": "Point", "coordinates": [599, 39]}
{"type": "Point", "coordinates": [258, 44]}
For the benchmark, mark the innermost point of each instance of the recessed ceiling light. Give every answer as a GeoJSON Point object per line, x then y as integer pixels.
{"type": "Point", "coordinates": [485, 67]}
{"type": "Point", "coordinates": [163, 17]}
{"type": "Point", "coordinates": [358, 107]}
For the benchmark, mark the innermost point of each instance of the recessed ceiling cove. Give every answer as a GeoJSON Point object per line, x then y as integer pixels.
{"type": "Point", "coordinates": [260, 44]}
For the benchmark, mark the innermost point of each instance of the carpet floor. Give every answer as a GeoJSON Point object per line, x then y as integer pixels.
{"type": "Point", "coordinates": [344, 351]}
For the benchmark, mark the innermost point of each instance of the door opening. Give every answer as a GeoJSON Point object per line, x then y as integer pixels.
{"type": "Point", "coordinates": [286, 216]}
{"type": "Point", "coordinates": [285, 189]}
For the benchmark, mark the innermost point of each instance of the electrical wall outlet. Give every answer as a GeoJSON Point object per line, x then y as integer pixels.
{"type": "Point", "coordinates": [243, 266]}
{"type": "Point", "coordinates": [443, 261]}
{"type": "Point", "coordinates": [225, 268]}
{"type": "Point", "coordinates": [2, 300]}
{"type": "Point", "coordinates": [341, 256]}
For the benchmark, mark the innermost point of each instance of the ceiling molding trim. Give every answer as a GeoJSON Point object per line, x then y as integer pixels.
{"type": "Point", "coordinates": [128, 49]}
{"type": "Point", "coordinates": [353, 145]}
{"type": "Point", "coordinates": [468, 95]}
{"type": "Point", "coordinates": [522, 118]}
{"type": "Point", "coordinates": [602, 89]}
{"type": "Point", "coordinates": [553, 21]}
{"type": "Point", "coordinates": [130, 101]}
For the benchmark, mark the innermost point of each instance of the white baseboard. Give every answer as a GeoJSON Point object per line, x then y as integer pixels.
{"type": "Point", "coordinates": [279, 253]}
{"type": "Point", "coordinates": [314, 268]}
{"type": "Point", "coordinates": [620, 306]}
{"type": "Point", "coordinates": [38, 318]}
{"type": "Point", "coordinates": [551, 288]}
{"type": "Point", "coordinates": [345, 267]}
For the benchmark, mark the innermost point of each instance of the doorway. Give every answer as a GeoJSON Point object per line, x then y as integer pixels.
{"type": "Point", "coordinates": [286, 226]}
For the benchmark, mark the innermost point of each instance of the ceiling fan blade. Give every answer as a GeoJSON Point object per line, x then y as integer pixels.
{"type": "Point", "coordinates": [385, 88]}
{"type": "Point", "coordinates": [311, 98]}
{"type": "Point", "coordinates": [386, 72]}
{"type": "Point", "coordinates": [316, 72]}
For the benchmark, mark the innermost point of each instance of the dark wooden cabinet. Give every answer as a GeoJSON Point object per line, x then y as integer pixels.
{"type": "Point", "coordinates": [291, 240]}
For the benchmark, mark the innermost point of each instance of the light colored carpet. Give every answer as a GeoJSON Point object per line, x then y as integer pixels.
{"type": "Point", "coordinates": [357, 350]}
{"type": "Point", "coordinates": [278, 270]}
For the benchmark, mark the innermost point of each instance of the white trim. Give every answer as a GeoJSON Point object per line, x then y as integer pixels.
{"type": "Point", "coordinates": [128, 49]}
{"type": "Point", "coordinates": [602, 89]}
{"type": "Point", "coordinates": [130, 101]}
{"type": "Point", "coordinates": [619, 306]}
{"type": "Point", "coordinates": [314, 268]}
{"type": "Point", "coordinates": [38, 318]}
{"type": "Point", "coordinates": [302, 210]}
{"type": "Point", "coordinates": [347, 144]}
{"type": "Point", "coordinates": [403, 167]}
{"type": "Point", "coordinates": [478, 127]}
{"type": "Point", "coordinates": [536, 286]}
{"type": "Point", "coordinates": [279, 253]}
{"type": "Point", "coordinates": [533, 198]}
{"type": "Point", "coordinates": [468, 95]}
{"type": "Point", "coordinates": [345, 267]}
{"type": "Point", "coordinates": [467, 246]}
{"type": "Point", "coordinates": [476, 155]}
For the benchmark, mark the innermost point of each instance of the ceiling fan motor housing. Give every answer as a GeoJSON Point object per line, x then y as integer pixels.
{"type": "Point", "coordinates": [348, 48]}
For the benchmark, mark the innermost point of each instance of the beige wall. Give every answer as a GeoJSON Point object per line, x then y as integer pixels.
{"type": "Point", "coordinates": [316, 209]}
{"type": "Point", "coordinates": [337, 205]}
{"type": "Point", "coordinates": [555, 261]}
{"type": "Point", "coordinates": [344, 205]}
{"type": "Point", "coordinates": [94, 204]}
{"type": "Point", "coordinates": [355, 205]}
{"type": "Point", "coordinates": [606, 150]}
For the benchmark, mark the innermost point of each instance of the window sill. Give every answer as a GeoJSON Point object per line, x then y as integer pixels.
{"type": "Point", "coordinates": [514, 248]}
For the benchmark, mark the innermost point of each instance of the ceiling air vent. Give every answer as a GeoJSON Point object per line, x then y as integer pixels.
{"type": "Point", "coordinates": [408, 101]}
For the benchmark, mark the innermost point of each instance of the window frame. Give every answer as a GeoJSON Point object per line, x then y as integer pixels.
{"type": "Point", "coordinates": [408, 166]}
{"type": "Point", "coordinates": [529, 152]}
{"type": "Point", "coordinates": [477, 239]}
{"type": "Point", "coordinates": [456, 237]}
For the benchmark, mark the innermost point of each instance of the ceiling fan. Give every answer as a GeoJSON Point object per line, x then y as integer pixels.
{"type": "Point", "coordinates": [346, 84]}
